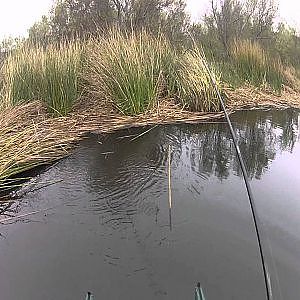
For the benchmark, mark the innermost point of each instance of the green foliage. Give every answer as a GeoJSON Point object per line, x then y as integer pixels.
{"type": "Point", "coordinates": [288, 45]}
{"type": "Point", "coordinates": [40, 32]}
{"type": "Point", "coordinates": [247, 19]}
{"type": "Point", "coordinates": [226, 22]}
{"type": "Point", "coordinates": [51, 75]}
{"type": "Point", "coordinates": [71, 19]}
{"type": "Point", "coordinates": [134, 70]}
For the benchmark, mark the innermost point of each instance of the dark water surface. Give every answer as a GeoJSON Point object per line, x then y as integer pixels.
{"type": "Point", "coordinates": [108, 228]}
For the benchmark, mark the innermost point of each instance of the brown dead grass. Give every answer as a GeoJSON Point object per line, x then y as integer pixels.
{"type": "Point", "coordinates": [29, 136]}
{"type": "Point", "coordinates": [249, 97]}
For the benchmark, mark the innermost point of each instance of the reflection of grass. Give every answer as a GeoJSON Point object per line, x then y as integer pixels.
{"type": "Point", "coordinates": [255, 66]}
{"type": "Point", "coordinates": [51, 74]}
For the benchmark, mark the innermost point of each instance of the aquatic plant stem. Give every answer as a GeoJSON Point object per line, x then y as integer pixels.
{"type": "Point", "coordinates": [169, 175]}
{"type": "Point", "coordinates": [169, 186]}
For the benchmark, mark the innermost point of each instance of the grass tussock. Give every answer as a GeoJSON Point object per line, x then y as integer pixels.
{"type": "Point", "coordinates": [255, 66]}
{"type": "Point", "coordinates": [194, 87]}
{"type": "Point", "coordinates": [133, 71]}
{"type": "Point", "coordinates": [51, 75]}
{"type": "Point", "coordinates": [128, 69]}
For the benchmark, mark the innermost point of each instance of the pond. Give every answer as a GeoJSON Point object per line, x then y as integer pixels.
{"type": "Point", "coordinates": [101, 220]}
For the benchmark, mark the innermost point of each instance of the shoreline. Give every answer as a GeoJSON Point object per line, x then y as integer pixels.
{"type": "Point", "coordinates": [35, 138]}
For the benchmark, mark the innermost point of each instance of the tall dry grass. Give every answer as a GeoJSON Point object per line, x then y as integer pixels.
{"type": "Point", "coordinates": [255, 66]}
{"type": "Point", "coordinates": [194, 87]}
{"type": "Point", "coordinates": [25, 142]}
{"type": "Point", "coordinates": [50, 75]}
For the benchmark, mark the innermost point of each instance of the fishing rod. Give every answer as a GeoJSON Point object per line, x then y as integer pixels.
{"type": "Point", "coordinates": [256, 220]}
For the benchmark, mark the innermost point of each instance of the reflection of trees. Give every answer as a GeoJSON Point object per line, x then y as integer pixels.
{"type": "Point", "coordinates": [260, 135]}
{"type": "Point", "coordinates": [208, 147]}
{"type": "Point", "coordinates": [134, 175]}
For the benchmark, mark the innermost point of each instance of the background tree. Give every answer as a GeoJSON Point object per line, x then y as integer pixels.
{"type": "Point", "coordinates": [40, 32]}
{"type": "Point", "coordinates": [288, 44]}
{"type": "Point", "coordinates": [74, 18]}
{"type": "Point", "coordinates": [234, 19]}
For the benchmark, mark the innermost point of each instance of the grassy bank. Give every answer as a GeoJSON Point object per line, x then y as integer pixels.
{"type": "Point", "coordinates": [52, 75]}
{"type": "Point", "coordinates": [132, 71]}
{"type": "Point", "coordinates": [52, 95]}
{"type": "Point", "coordinates": [255, 66]}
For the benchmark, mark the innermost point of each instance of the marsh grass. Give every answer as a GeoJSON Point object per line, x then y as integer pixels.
{"type": "Point", "coordinates": [136, 70]}
{"type": "Point", "coordinates": [194, 87]}
{"type": "Point", "coordinates": [255, 66]}
{"type": "Point", "coordinates": [129, 68]}
{"type": "Point", "coordinates": [62, 67]}
{"type": "Point", "coordinates": [51, 75]}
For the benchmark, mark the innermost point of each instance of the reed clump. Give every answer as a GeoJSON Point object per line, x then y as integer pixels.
{"type": "Point", "coordinates": [127, 68]}
{"type": "Point", "coordinates": [255, 66]}
{"type": "Point", "coordinates": [48, 74]}
{"type": "Point", "coordinates": [135, 70]}
{"type": "Point", "coordinates": [193, 83]}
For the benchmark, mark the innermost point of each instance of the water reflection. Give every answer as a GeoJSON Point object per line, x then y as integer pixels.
{"type": "Point", "coordinates": [122, 168]}
{"type": "Point", "coordinates": [109, 230]}
{"type": "Point", "coordinates": [260, 136]}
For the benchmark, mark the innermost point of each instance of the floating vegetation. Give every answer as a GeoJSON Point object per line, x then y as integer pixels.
{"type": "Point", "coordinates": [26, 144]}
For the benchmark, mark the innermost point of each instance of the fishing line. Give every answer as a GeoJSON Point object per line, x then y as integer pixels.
{"type": "Point", "coordinates": [256, 220]}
